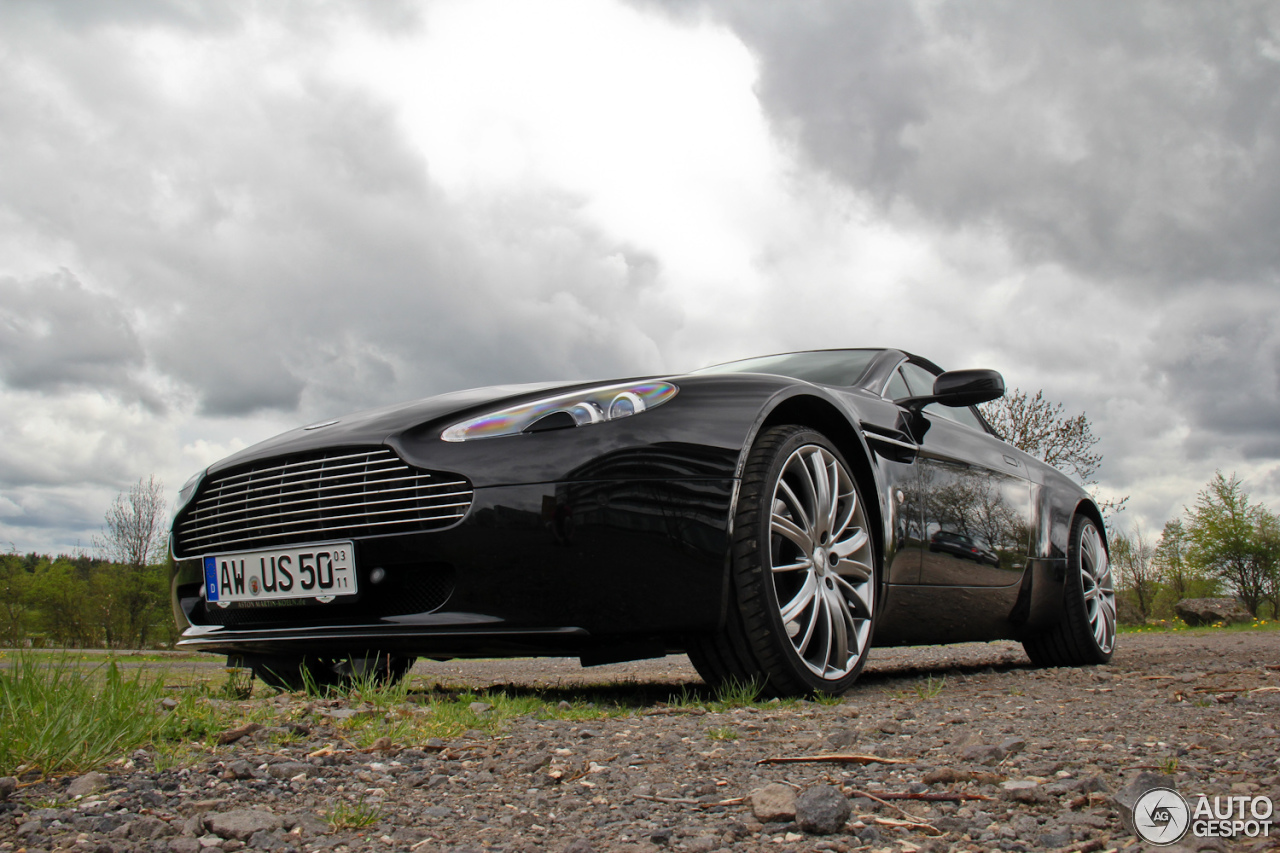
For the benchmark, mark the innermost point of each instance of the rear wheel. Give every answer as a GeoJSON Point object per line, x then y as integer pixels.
{"type": "Point", "coordinates": [1086, 634]}
{"type": "Point", "coordinates": [317, 673]}
{"type": "Point", "coordinates": [804, 581]}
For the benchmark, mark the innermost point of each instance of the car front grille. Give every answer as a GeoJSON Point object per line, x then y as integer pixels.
{"type": "Point", "coordinates": [333, 494]}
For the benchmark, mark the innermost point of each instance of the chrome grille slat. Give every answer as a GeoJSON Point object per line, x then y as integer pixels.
{"type": "Point", "coordinates": [230, 478]}
{"type": "Point", "coordinates": [243, 504]}
{"type": "Point", "coordinates": [354, 530]}
{"type": "Point", "coordinates": [356, 472]}
{"type": "Point", "coordinates": [323, 495]}
{"type": "Point", "coordinates": [213, 521]}
{"type": "Point", "coordinates": [330, 518]}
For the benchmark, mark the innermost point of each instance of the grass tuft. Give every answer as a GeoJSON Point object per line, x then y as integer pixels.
{"type": "Point", "coordinates": [734, 693]}
{"type": "Point", "coordinates": [930, 688]}
{"type": "Point", "coordinates": [355, 815]}
{"type": "Point", "coordinates": [56, 717]}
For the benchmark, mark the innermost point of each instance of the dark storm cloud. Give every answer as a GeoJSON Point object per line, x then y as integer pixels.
{"type": "Point", "coordinates": [284, 242]}
{"type": "Point", "coordinates": [1222, 371]}
{"type": "Point", "coordinates": [56, 334]}
{"type": "Point", "coordinates": [1131, 139]}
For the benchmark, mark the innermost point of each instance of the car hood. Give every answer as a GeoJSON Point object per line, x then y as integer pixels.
{"type": "Point", "coordinates": [375, 426]}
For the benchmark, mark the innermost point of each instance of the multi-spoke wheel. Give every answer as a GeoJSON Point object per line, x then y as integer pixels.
{"type": "Point", "coordinates": [804, 572]}
{"type": "Point", "coordinates": [1086, 634]}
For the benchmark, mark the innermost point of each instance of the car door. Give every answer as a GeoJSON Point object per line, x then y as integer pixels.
{"type": "Point", "coordinates": [973, 496]}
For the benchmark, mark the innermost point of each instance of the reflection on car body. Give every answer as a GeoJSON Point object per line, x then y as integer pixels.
{"type": "Point", "coordinates": [773, 518]}
{"type": "Point", "coordinates": [962, 546]}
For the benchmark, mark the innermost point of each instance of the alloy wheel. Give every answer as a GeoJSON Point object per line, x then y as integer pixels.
{"type": "Point", "coordinates": [821, 562]}
{"type": "Point", "coordinates": [1099, 590]}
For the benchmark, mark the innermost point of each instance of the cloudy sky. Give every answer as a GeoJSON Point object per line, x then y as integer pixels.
{"type": "Point", "coordinates": [218, 221]}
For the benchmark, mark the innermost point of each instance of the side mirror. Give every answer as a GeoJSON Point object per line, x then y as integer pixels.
{"type": "Point", "coordinates": [957, 388]}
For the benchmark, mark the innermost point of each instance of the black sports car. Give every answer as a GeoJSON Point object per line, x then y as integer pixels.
{"type": "Point", "coordinates": [770, 517]}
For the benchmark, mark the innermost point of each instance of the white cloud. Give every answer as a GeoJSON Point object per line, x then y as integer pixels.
{"type": "Point", "coordinates": [218, 222]}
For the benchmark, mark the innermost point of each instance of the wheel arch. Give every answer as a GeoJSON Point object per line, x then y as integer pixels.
{"type": "Point", "coordinates": [824, 416]}
{"type": "Point", "coordinates": [1089, 510]}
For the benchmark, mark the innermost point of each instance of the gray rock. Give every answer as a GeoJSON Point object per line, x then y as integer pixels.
{"type": "Point", "coordinates": [85, 785]}
{"type": "Point", "coordinates": [436, 812]}
{"type": "Point", "coordinates": [842, 739]}
{"type": "Point", "coordinates": [1129, 794]}
{"type": "Point", "coordinates": [308, 823]}
{"type": "Point", "coordinates": [288, 769]}
{"type": "Point", "coordinates": [703, 844]}
{"type": "Point", "coordinates": [8, 784]}
{"type": "Point", "coordinates": [240, 770]}
{"type": "Point", "coordinates": [1013, 745]}
{"type": "Point", "coordinates": [480, 708]}
{"type": "Point", "coordinates": [579, 845]}
{"type": "Point", "coordinates": [1206, 611]}
{"type": "Point", "coordinates": [147, 828]}
{"type": "Point", "coordinates": [822, 810]}
{"type": "Point", "coordinates": [184, 845]}
{"type": "Point", "coordinates": [982, 753]}
{"type": "Point", "coordinates": [869, 836]}
{"type": "Point", "coordinates": [773, 802]}
{"type": "Point", "coordinates": [1090, 785]}
{"type": "Point", "coordinates": [891, 727]}
{"type": "Point", "coordinates": [193, 826]}
{"type": "Point", "coordinates": [241, 824]}
{"type": "Point", "coordinates": [661, 836]}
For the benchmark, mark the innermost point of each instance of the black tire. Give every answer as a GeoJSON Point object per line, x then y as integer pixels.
{"type": "Point", "coordinates": [320, 673]}
{"type": "Point", "coordinates": [1086, 633]}
{"type": "Point", "coordinates": [792, 628]}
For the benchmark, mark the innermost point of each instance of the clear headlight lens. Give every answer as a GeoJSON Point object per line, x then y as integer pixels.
{"type": "Point", "coordinates": [579, 408]}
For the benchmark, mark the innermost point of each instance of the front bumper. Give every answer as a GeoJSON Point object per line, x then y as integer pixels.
{"type": "Point", "coordinates": [570, 568]}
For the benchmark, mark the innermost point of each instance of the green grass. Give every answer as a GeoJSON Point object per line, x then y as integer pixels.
{"type": "Point", "coordinates": [106, 656]}
{"type": "Point", "coordinates": [722, 733]}
{"type": "Point", "coordinates": [1178, 626]}
{"type": "Point", "coordinates": [57, 717]}
{"type": "Point", "coordinates": [930, 687]}
{"type": "Point", "coordinates": [357, 815]}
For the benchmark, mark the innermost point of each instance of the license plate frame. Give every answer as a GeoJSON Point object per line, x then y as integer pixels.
{"type": "Point", "coordinates": [322, 572]}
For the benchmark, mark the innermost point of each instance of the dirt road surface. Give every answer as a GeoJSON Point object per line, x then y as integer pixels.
{"type": "Point", "coordinates": [953, 748]}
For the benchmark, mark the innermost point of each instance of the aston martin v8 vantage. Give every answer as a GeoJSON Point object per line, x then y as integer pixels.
{"type": "Point", "coordinates": [773, 518]}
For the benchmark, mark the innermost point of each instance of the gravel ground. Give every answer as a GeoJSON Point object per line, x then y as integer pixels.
{"type": "Point", "coordinates": [947, 748]}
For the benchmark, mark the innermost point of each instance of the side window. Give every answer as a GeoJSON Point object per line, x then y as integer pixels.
{"type": "Point", "coordinates": [921, 379]}
{"type": "Point", "coordinates": [897, 387]}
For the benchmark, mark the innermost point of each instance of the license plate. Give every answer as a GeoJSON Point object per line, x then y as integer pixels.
{"type": "Point", "coordinates": [323, 572]}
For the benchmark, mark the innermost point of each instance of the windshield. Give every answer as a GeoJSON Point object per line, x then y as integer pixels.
{"type": "Point", "coordinates": [824, 367]}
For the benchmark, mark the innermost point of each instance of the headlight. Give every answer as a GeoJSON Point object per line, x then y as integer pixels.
{"type": "Point", "coordinates": [579, 408]}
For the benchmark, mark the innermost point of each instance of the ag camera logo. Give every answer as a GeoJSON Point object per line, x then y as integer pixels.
{"type": "Point", "coordinates": [1161, 816]}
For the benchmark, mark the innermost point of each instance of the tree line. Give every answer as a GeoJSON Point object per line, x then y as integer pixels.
{"type": "Point", "coordinates": [119, 600]}
{"type": "Point", "coordinates": [1224, 543]}
{"type": "Point", "coordinates": [77, 601]}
